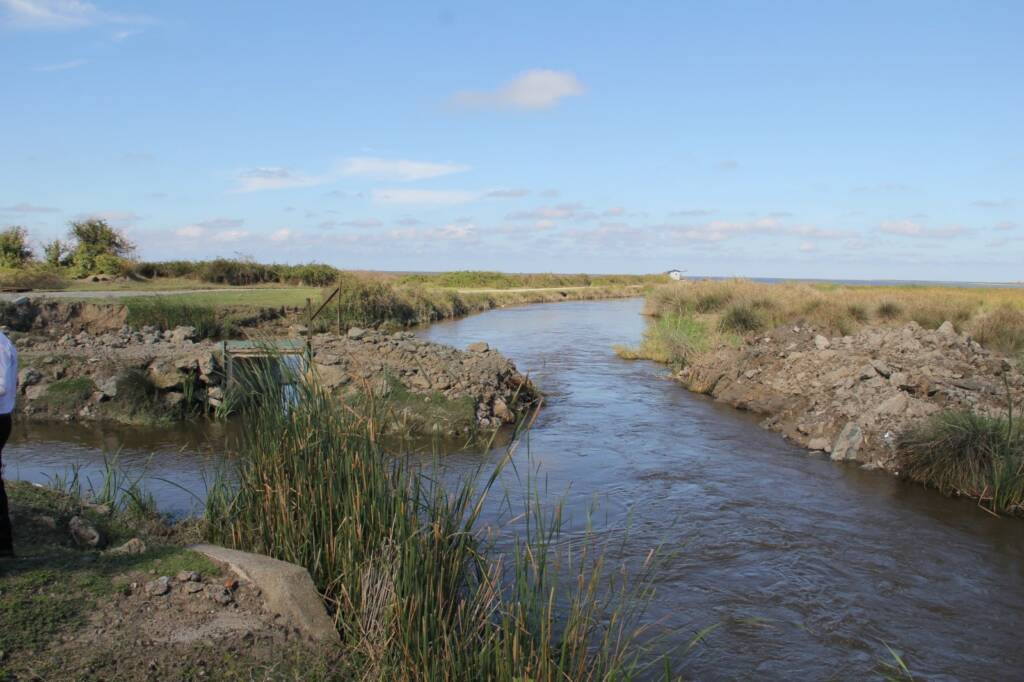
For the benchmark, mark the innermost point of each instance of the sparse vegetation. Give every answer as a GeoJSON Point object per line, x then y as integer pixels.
{"type": "Point", "coordinates": [68, 394]}
{"type": "Point", "coordinates": [740, 319]}
{"type": "Point", "coordinates": [14, 248]}
{"type": "Point", "coordinates": [673, 339]}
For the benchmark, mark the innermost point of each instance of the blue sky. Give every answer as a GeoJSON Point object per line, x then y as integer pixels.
{"type": "Point", "coordinates": [844, 140]}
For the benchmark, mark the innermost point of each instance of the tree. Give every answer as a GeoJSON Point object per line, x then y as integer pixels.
{"type": "Point", "coordinates": [55, 253]}
{"type": "Point", "coordinates": [14, 248]}
{"type": "Point", "coordinates": [97, 246]}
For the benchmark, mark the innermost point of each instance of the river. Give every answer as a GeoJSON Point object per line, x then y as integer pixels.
{"type": "Point", "coordinates": [808, 568]}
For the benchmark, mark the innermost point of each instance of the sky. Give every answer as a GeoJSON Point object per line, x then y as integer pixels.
{"type": "Point", "coordinates": [844, 140]}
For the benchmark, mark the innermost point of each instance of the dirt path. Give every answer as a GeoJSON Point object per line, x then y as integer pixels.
{"type": "Point", "coordinates": [117, 293]}
{"type": "Point", "coordinates": [538, 289]}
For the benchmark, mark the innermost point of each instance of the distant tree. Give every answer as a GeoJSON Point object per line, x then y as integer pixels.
{"type": "Point", "coordinates": [56, 252]}
{"type": "Point", "coordinates": [14, 248]}
{"type": "Point", "coordinates": [96, 245]}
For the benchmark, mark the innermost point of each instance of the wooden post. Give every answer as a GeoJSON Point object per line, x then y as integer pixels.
{"type": "Point", "coordinates": [309, 330]}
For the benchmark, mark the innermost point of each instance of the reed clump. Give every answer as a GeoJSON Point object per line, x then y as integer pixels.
{"type": "Point", "coordinates": [402, 562]}
{"type": "Point", "coordinates": [965, 453]}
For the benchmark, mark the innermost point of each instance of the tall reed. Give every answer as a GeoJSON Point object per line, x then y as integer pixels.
{"type": "Point", "coordinates": [402, 562]}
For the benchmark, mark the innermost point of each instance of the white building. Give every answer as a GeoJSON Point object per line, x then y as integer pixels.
{"type": "Point", "coordinates": [675, 274]}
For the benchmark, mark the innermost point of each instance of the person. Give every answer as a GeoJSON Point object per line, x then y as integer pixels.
{"type": "Point", "coordinates": [8, 391]}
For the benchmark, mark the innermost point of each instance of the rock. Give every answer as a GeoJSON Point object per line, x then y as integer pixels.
{"type": "Point", "coordinates": [29, 377]}
{"type": "Point", "coordinates": [133, 547]}
{"type": "Point", "coordinates": [164, 374]}
{"type": "Point", "coordinates": [21, 300]}
{"type": "Point", "coordinates": [330, 376]}
{"type": "Point", "coordinates": [848, 442]}
{"type": "Point", "coordinates": [356, 333]}
{"type": "Point", "coordinates": [881, 368]}
{"type": "Point", "coordinates": [502, 412]}
{"type": "Point", "coordinates": [108, 387]}
{"type": "Point", "coordinates": [478, 347]}
{"type": "Point", "coordinates": [188, 577]}
{"type": "Point", "coordinates": [894, 406]}
{"type": "Point", "coordinates": [820, 342]}
{"type": "Point", "coordinates": [158, 587]}
{"type": "Point", "coordinates": [947, 329]}
{"type": "Point", "coordinates": [219, 594]}
{"type": "Point", "coordinates": [193, 588]}
{"type": "Point", "coordinates": [174, 398]}
{"type": "Point", "coordinates": [215, 393]}
{"type": "Point", "coordinates": [818, 444]}
{"type": "Point", "coordinates": [419, 381]}
{"type": "Point", "coordinates": [183, 334]}
{"type": "Point", "coordinates": [36, 392]}
{"type": "Point", "coordinates": [84, 533]}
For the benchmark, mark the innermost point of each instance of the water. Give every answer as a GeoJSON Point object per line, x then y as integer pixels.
{"type": "Point", "coordinates": [805, 565]}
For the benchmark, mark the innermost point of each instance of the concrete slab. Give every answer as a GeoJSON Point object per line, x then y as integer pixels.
{"type": "Point", "coordinates": [286, 588]}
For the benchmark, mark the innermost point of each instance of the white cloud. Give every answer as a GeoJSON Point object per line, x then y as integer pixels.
{"type": "Point", "coordinates": [200, 229]}
{"type": "Point", "coordinates": [808, 247]}
{"type": "Point", "coordinates": [230, 235]}
{"type": "Point", "coordinates": [1006, 225]}
{"type": "Point", "coordinates": [434, 197]}
{"type": "Point", "coordinates": [398, 169]}
{"type": "Point", "coordinates": [62, 66]}
{"type": "Point", "coordinates": [119, 219]}
{"type": "Point", "coordinates": [534, 89]}
{"type": "Point", "coordinates": [275, 177]}
{"type": "Point", "coordinates": [24, 207]}
{"type": "Point", "coordinates": [566, 211]}
{"type": "Point", "coordinates": [909, 228]}
{"type": "Point", "coordinates": [510, 193]}
{"type": "Point", "coordinates": [59, 14]}
{"type": "Point", "coordinates": [282, 235]}
{"type": "Point", "coordinates": [190, 232]}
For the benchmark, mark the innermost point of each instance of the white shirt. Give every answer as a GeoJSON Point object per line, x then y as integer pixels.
{"type": "Point", "coordinates": [8, 374]}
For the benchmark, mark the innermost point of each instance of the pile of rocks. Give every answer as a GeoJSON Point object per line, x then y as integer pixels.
{"type": "Point", "coordinates": [851, 396]}
{"type": "Point", "coordinates": [179, 366]}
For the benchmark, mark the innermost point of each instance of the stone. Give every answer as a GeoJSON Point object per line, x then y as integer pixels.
{"type": "Point", "coordinates": [219, 594]}
{"type": "Point", "coordinates": [848, 442]}
{"type": "Point", "coordinates": [818, 444]}
{"type": "Point", "coordinates": [188, 577]}
{"type": "Point", "coordinates": [108, 387]}
{"type": "Point", "coordinates": [285, 588]}
{"type": "Point", "coordinates": [894, 406]}
{"type": "Point", "coordinates": [35, 392]}
{"type": "Point", "coordinates": [215, 393]}
{"type": "Point", "coordinates": [182, 334]}
{"type": "Point", "coordinates": [29, 377]}
{"type": "Point", "coordinates": [158, 587]}
{"type": "Point", "coordinates": [502, 412]}
{"type": "Point", "coordinates": [356, 333]}
{"type": "Point", "coordinates": [133, 547]}
{"type": "Point", "coordinates": [84, 533]}
{"type": "Point", "coordinates": [947, 328]}
{"type": "Point", "coordinates": [478, 347]}
{"type": "Point", "coordinates": [330, 376]}
{"type": "Point", "coordinates": [164, 374]}
{"type": "Point", "coordinates": [419, 381]}
{"type": "Point", "coordinates": [174, 398]}
{"type": "Point", "coordinates": [881, 368]}
{"type": "Point", "coordinates": [193, 588]}
{"type": "Point", "coordinates": [820, 342]}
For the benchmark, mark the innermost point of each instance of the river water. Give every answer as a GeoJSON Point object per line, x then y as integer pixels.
{"type": "Point", "coordinates": [806, 567]}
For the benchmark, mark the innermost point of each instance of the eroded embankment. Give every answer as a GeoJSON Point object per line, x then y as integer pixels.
{"type": "Point", "coordinates": [852, 396]}
{"type": "Point", "coordinates": [138, 375]}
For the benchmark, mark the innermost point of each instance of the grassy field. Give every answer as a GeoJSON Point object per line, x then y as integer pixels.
{"type": "Point", "coordinates": [692, 317]}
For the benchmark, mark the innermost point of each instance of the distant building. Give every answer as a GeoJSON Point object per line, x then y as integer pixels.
{"type": "Point", "coordinates": [675, 274]}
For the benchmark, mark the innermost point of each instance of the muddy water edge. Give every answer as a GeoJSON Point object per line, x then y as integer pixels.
{"type": "Point", "coordinates": [807, 567]}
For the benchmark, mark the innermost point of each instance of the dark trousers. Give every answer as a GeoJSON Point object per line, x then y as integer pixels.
{"type": "Point", "coordinates": [6, 541]}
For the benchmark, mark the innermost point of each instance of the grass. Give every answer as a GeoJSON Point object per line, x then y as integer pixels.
{"type": "Point", "coordinates": [68, 394]}
{"type": "Point", "coordinates": [995, 316]}
{"type": "Point", "coordinates": [401, 561]}
{"type": "Point", "coordinates": [964, 453]}
{"type": "Point", "coordinates": [672, 339]}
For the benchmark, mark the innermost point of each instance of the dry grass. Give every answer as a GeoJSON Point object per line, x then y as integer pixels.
{"type": "Point", "coordinates": [994, 315]}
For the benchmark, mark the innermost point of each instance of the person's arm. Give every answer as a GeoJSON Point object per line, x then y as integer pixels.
{"type": "Point", "coordinates": [5, 361]}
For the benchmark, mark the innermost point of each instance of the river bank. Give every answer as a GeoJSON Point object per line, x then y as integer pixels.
{"type": "Point", "coordinates": [833, 378]}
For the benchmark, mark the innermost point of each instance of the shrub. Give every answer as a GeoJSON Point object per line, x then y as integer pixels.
{"type": "Point", "coordinates": [55, 253]}
{"type": "Point", "coordinates": [33, 276]}
{"type": "Point", "coordinates": [964, 453]}
{"type": "Point", "coordinates": [858, 312]}
{"type": "Point", "coordinates": [236, 272]}
{"type": "Point", "coordinates": [931, 315]}
{"type": "Point", "coordinates": [1002, 330]}
{"type": "Point", "coordinates": [712, 302]}
{"type": "Point", "coordinates": [889, 310]}
{"type": "Point", "coordinates": [94, 239]}
{"type": "Point", "coordinates": [14, 249]}
{"type": "Point", "coordinates": [740, 319]}
{"type": "Point", "coordinates": [672, 339]}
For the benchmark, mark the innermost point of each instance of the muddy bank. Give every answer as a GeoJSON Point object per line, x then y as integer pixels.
{"type": "Point", "coordinates": [851, 396]}
{"type": "Point", "coordinates": [141, 375]}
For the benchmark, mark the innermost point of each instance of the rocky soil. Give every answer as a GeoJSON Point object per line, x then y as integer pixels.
{"type": "Point", "coordinates": [851, 396]}
{"type": "Point", "coordinates": [82, 376]}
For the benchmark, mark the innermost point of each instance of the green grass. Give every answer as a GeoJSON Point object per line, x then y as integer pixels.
{"type": "Point", "coordinates": [68, 394]}
{"type": "Point", "coordinates": [672, 339]}
{"type": "Point", "coordinates": [401, 561]}
{"type": "Point", "coordinates": [963, 453]}
{"type": "Point", "coordinates": [740, 319]}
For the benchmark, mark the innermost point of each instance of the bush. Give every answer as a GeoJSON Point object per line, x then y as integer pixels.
{"type": "Point", "coordinates": [96, 243]}
{"type": "Point", "coordinates": [712, 302]}
{"type": "Point", "coordinates": [963, 453]}
{"type": "Point", "coordinates": [888, 310]}
{"type": "Point", "coordinates": [55, 253]}
{"type": "Point", "coordinates": [34, 276]}
{"type": "Point", "coordinates": [672, 339]}
{"type": "Point", "coordinates": [858, 312]}
{"type": "Point", "coordinates": [14, 249]}
{"type": "Point", "coordinates": [740, 319]}
{"type": "Point", "coordinates": [68, 394]}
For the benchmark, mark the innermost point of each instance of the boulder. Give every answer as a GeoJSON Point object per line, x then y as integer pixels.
{"type": "Point", "coordinates": [29, 376]}
{"type": "Point", "coordinates": [820, 342]}
{"type": "Point", "coordinates": [84, 533]}
{"type": "Point", "coordinates": [158, 587]}
{"type": "Point", "coordinates": [818, 444]}
{"type": "Point", "coordinates": [848, 442]}
{"type": "Point", "coordinates": [183, 334]}
{"type": "Point", "coordinates": [164, 374]}
{"type": "Point", "coordinates": [133, 547]}
{"type": "Point", "coordinates": [478, 347]}
{"type": "Point", "coordinates": [330, 376]}
{"type": "Point", "coordinates": [947, 329]}
{"type": "Point", "coordinates": [356, 333]}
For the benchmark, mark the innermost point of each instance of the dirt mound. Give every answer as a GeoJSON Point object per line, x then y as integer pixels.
{"type": "Point", "coordinates": [851, 395]}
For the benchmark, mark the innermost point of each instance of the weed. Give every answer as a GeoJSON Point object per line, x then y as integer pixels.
{"type": "Point", "coordinates": [740, 319]}
{"type": "Point", "coordinates": [68, 394]}
{"type": "Point", "coordinates": [888, 310]}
